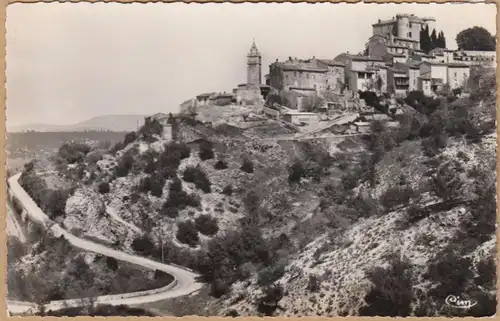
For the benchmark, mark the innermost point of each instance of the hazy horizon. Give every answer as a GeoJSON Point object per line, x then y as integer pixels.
{"type": "Point", "coordinates": [69, 62]}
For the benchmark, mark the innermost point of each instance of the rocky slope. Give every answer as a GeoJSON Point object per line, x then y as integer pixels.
{"type": "Point", "coordinates": [306, 228]}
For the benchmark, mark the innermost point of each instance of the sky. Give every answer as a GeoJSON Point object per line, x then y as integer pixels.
{"type": "Point", "coordinates": [68, 62]}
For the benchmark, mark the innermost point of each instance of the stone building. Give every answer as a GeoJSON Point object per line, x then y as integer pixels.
{"type": "Point", "coordinates": [455, 75]}
{"type": "Point", "coordinates": [311, 74]}
{"type": "Point", "coordinates": [404, 29]}
{"type": "Point", "coordinates": [364, 72]}
{"type": "Point", "coordinates": [254, 66]}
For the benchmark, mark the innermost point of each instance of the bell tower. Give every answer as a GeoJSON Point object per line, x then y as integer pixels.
{"type": "Point", "coordinates": [254, 66]}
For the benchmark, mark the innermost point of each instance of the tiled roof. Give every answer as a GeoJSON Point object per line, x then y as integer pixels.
{"type": "Point", "coordinates": [332, 62]}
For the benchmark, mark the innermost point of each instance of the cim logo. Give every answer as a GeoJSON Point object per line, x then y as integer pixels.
{"type": "Point", "coordinates": [457, 302]}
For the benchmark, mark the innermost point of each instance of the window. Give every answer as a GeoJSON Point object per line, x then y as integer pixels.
{"type": "Point", "coordinates": [455, 75]}
{"type": "Point", "coordinates": [409, 34]}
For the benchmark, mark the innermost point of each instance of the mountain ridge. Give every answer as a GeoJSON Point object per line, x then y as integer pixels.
{"type": "Point", "coordinates": [125, 122]}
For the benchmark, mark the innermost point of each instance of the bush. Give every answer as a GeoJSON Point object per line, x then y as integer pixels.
{"type": "Point", "coordinates": [73, 152]}
{"type": "Point", "coordinates": [314, 284]}
{"type": "Point", "coordinates": [220, 165]}
{"type": "Point", "coordinates": [180, 200]}
{"type": "Point", "coordinates": [433, 145]}
{"type": "Point", "coordinates": [219, 288]}
{"type": "Point", "coordinates": [227, 190]}
{"type": "Point", "coordinates": [207, 225]}
{"type": "Point", "coordinates": [206, 150]}
{"type": "Point", "coordinates": [421, 103]}
{"type": "Point", "coordinates": [447, 183]}
{"type": "Point", "coordinates": [271, 274]}
{"type": "Point", "coordinates": [247, 166]}
{"type": "Point", "coordinates": [451, 272]}
{"type": "Point", "coordinates": [391, 294]}
{"type": "Point", "coordinates": [111, 263]}
{"type": "Point", "coordinates": [296, 172]}
{"type": "Point", "coordinates": [55, 203]}
{"type": "Point", "coordinates": [124, 165]}
{"type": "Point", "coordinates": [181, 150]}
{"type": "Point", "coordinates": [397, 195]}
{"type": "Point", "coordinates": [103, 187]}
{"type": "Point", "coordinates": [169, 211]}
{"type": "Point", "coordinates": [269, 302]}
{"type": "Point", "coordinates": [187, 233]}
{"type": "Point", "coordinates": [197, 176]}
{"type": "Point", "coordinates": [157, 183]}
{"type": "Point", "coordinates": [143, 245]}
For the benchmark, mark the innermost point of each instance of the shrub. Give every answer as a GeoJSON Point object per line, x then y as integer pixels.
{"type": "Point", "coordinates": [169, 211]}
{"type": "Point", "coordinates": [143, 245]}
{"type": "Point", "coordinates": [197, 176]}
{"type": "Point", "coordinates": [111, 263]}
{"type": "Point", "coordinates": [187, 233]}
{"type": "Point", "coordinates": [296, 172]}
{"type": "Point", "coordinates": [124, 165]}
{"type": "Point", "coordinates": [247, 166]}
{"type": "Point", "coordinates": [269, 302]}
{"type": "Point", "coordinates": [206, 150]}
{"type": "Point", "coordinates": [227, 190]}
{"type": "Point", "coordinates": [486, 273]}
{"type": "Point", "coordinates": [397, 195]}
{"type": "Point", "coordinates": [433, 145]}
{"type": "Point", "coordinates": [314, 284]}
{"type": "Point", "coordinates": [157, 183]}
{"type": "Point", "coordinates": [271, 274]}
{"type": "Point", "coordinates": [447, 183]}
{"type": "Point", "coordinates": [103, 187]}
{"type": "Point", "coordinates": [421, 103]}
{"type": "Point", "coordinates": [181, 150]}
{"type": "Point", "coordinates": [180, 199]}
{"type": "Point", "coordinates": [220, 165]}
{"type": "Point", "coordinates": [219, 288]}
{"type": "Point", "coordinates": [144, 185]}
{"type": "Point", "coordinates": [55, 202]}
{"type": "Point", "coordinates": [391, 294]}
{"type": "Point", "coordinates": [73, 152]}
{"type": "Point", "coordinates": [451, 272]}
{"type": "Point", "coordinates": [207, 225]}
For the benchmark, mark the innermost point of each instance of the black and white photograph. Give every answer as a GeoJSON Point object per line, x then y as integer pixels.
{"type": "Point", "coordinates": [251, 160]}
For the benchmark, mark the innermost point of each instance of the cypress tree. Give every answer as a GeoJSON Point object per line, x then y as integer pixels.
{"type": "Point", "coordinates": [434, 40]}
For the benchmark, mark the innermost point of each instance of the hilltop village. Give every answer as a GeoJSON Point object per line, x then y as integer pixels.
{"type": "Point", "coordinates": [393, 63]}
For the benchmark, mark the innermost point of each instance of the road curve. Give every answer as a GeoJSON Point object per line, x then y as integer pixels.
{"type": "Point", "coordinates": [184, 280]}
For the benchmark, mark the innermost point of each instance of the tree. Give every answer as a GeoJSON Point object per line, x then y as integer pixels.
{"type": "Point", "coordinates": [442, 40]}
{"type": "Point", "coordinates": [475, 38]}
{"type": "Point", "coordinates": [206, 225]}
{"type": "Point", "coordinates": [187, 233]}
{"type": "Point", "coordinates": [425, 40]}
{"type": "Point", "coordinates": [206, 150]}
{"type": "Point", "coordinates": [434, 40]}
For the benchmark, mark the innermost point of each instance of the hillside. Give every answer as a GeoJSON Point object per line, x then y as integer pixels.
{"type": "Point", "coordinates": [117, 123]}
{"type": "Point", "coordinates": [386, 224]}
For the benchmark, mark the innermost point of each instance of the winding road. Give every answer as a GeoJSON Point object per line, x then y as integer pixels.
{"type": "Point", "coordinates": [184, 279]}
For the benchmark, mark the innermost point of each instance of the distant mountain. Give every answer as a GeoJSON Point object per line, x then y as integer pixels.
{"type": "Point", "coordinates": [103, 123]}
